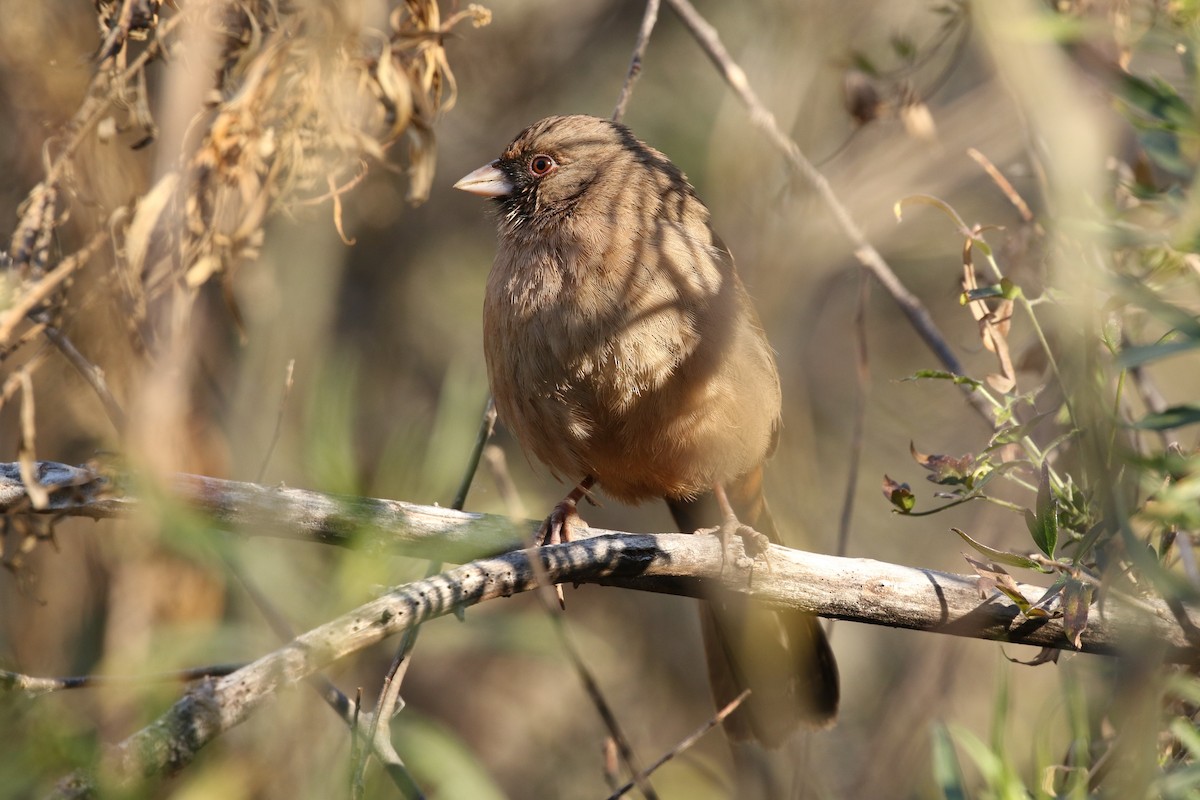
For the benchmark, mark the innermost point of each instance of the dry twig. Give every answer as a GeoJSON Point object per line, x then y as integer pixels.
{"type": "Point", "coordinates": [708, 38]}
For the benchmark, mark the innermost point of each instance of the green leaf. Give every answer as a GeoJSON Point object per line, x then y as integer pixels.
{"type": "Point", "coordinates": [947, 772]}
{"type": "Point", "coordinates": [1156, 100]}
{"type": "Point", "coordinates": [903, 47]}
{"type": "Point", "coordinates": [1000, 556]}
{"type": "Point", "coordinates": [1162, 146]}
{"type": "Point", "coordinates": [1173, 417]}
{"type": "Point", "coordinates": [937, 374]}
{"type": "Point", "coordinates": [1005, 289]}
{"type": "Point", "coordinates": [1143, 354]}
{"type": "Point", "coordinates": [1043, 525]}
{"type": "Point", "coordinates": [1017, 432]}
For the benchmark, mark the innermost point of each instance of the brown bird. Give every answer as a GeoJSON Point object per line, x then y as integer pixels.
{"type": "Point", "coordinates": [623, 349]}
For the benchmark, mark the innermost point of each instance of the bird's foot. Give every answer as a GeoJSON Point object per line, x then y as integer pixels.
{"type": "Point", "coordinates": [560, 526]}
{"type": "Point", "coordinates": [754, 543]}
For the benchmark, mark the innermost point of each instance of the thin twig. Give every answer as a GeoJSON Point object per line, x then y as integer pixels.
{"type": "Point", "coordinates": [687, 742]}
{"type": "Point", "coordinates": [389, 700]}
{"type": "Point", "coordinates": [34, 686]}
{"type": "Point", "coordinates": [288, 382]}
{"type": "Point", "coordinates": [506, 487]}
{"type": "Point", "coordinates": [1005, 186]}
{"type": "Point", "coordinates": [640, 776]}
{"type": "Point", "coordinates": [639, 52]}
{"type": "Point", "coordinates": [918, 316]}
{"type": "Point", "coordinates": [36, 294]}
{"type": "Point", "coordinates": [863, 373]}
{"type": "Point", "coordinates": [487, 426]}
{"type": "Point", "coordinates": [858, 433]}
{"type": "Point", "coordinates": [91, 373]}
{"type": "Point", "coordinates": [349, 712]}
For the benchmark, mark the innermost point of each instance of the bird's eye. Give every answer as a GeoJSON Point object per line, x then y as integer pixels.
{"type": "Point", "coordinates": [541, 165]}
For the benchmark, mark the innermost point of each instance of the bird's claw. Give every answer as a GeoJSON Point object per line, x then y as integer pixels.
{"type": "Point", "coordinates": [559, 528]}
{"type": "Point", "coordinates": [754, 543]}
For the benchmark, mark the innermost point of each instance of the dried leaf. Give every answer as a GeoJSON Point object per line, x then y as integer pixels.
{"type": "Point", "coordinates": [145, 218]}
{"type": "Point", "coordinates": [1047, 655]}
{"type": "Point", "coordinates": [993, 323]}
{"type": "Point", "coordinates": [992, 577]}
{"type": "Point", "coordinates": [204, 268]}
{"type": "Point", "coordinates": [1077, 600]}
{"type": "Point", "coordinates": [918, 122]}
{"type": "Point", "coordinates": [947, 470]}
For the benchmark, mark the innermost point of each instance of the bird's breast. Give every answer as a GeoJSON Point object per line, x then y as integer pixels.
{"type": "Point", "coordinates": [615, 371]}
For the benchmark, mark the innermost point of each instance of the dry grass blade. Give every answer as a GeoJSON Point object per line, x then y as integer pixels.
{"type": "Point", "coordinates": [1004, 185]}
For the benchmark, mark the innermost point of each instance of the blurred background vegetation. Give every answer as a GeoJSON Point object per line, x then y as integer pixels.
{"type": "Point", "coordinates": [223, 257]}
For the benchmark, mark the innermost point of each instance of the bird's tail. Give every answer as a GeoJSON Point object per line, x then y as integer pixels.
{"type": "Point", "coordinates": [783, 657]}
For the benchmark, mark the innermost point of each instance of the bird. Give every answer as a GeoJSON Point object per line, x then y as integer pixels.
{"type": "Point", "coordinates": [624, 351]}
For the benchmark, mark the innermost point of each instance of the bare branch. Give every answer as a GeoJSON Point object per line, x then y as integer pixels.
{"type": "Point", "coordinates": [91, 373]}
{"type": "Point", "coordinates": [853, 589]}
{"type": "Point", "coordinates": [918, 316]}
{"type": "Point", "coordinates": [639, 52]}
{"type": "Point", "coordinates": [687, 742]}
{"type": "Point", "coordinates": [33, 685]}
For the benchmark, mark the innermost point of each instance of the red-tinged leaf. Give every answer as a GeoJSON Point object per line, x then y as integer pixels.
{"type": "Point", "coordinates": [1011, 559]}
{"type": "Point", "coordinates": [1047, 655]}
{"type": "Point", "coordinates": [947, 470]}
{"type": "Point", "coordinates": [992, 577]}
{"type": "Point", "coordinates": [1077, 600]}
{"type": "Point", "coordinates": [899, 495]}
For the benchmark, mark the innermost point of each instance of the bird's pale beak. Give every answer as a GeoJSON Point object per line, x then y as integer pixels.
{"type": "Point", "coordinates": [487, 181]}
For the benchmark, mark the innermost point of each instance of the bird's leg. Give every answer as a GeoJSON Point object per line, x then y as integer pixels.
{"type": "Point", "coordinates": [753, 542]}
{"type": "Point", "coordinates": [564, 518]}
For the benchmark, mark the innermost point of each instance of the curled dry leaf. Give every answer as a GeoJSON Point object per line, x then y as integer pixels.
{"type": "Point", "coordinates": [946, 470]}
{"type": "Point", "coordinates": [994, 324]}
{"type": "Point", "coordinates": [1077, 601]}
{"type": "Point", "coordinates": [1047, 655]}
{"type": "Point", "coordinates": [993, 577]}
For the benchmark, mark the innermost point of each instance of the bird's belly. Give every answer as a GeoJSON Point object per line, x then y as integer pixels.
{"type": "Point", "coordinates": [640, 429]}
